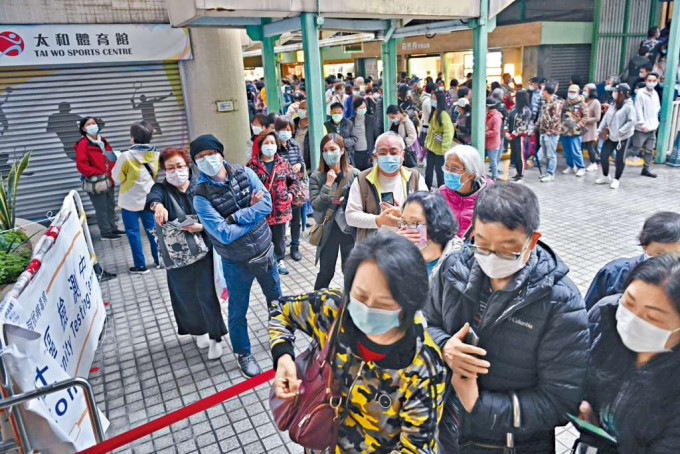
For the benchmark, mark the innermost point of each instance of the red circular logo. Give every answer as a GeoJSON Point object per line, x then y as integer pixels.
{"type": "Point", "coordinates": [11, 44]}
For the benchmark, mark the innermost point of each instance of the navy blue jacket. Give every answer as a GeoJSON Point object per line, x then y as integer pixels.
{"type": "Point", "coordinates": [535, 333]}
{"type": "Point", "coordinates": [610, 279]}
{"type": "Point", "coordinates": [640, 407]}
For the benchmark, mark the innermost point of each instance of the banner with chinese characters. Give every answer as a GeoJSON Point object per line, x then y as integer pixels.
{"type": "Point", "coordinates": [24, 45]}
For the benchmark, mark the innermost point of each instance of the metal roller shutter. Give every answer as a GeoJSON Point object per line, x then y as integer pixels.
{"type": "Point", "coordinates": [40, 108]}
{"type": "Point", "coordinates": [560, 62]}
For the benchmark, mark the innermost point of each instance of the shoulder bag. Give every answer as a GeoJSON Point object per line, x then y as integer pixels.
{"type": "Point", "coordinates": [312, 418]}
{"type": "Point", "coordinates": [316, 232]}
{"type": "Point", "coordinates": [178, 247]}
{"type": "Point", "coordinates": [96, 184]}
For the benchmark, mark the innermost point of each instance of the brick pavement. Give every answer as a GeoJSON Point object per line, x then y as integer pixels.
{"type": "Point", "coordinates": [146, 369]}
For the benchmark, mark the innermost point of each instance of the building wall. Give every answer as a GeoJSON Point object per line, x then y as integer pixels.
{"type": "Point", "coordinates": [83, 11]}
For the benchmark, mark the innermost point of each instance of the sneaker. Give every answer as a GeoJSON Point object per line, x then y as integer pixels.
{"type": "Point", "coordinates": [648, 173]}
{"type": "Point", "coordinates": [110, 236]}
{"type": "Point", "coordinates": [603, 180]}
{"type": "Point", "coordinates": [202, 341]}
{"type": "Point", "coordinates": [159, 266]}
{"type": "Point", "coordinates": [567, 171]}
{"type": "Point", "coordinates": [518, 180]}
{"type": "Point", "coordinates": [580, 172]}
{"type": "Point", "coordinates": [547, 177]}
{"type": "Point", "coordinates": [139, 270]}
{"type": "Point", "coordinates": [248, 365]}
{"type": "Point", "coordinates": [119, 232]}
{"type": "Point", "coordinates": [592, 167]}
{"type": "Point", "coordinates": [615, 184]}
{"type": "Point", "coordinates": [282, 268]}
{"type": "Point", "coordinates": [215, 350]}
{"type": "Point", "coordinates": [295, 255]}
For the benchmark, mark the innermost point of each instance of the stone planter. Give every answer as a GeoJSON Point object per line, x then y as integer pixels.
{"type": "Point", "coordinates": [34, 233]}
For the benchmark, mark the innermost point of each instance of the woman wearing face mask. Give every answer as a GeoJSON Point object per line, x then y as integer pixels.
{"type": "Point", "coordinates": [517, 129]}
{"type": "Point", "coordinates": [464, 180]}
{"type": "Point", "coordinates": [192, 289]}
{"type": "Point", "coordinates": [327, 191]}
{"type": "Point", "coordinates": [92, 162]}
{"type": "Point", "coordinates": [633, 390]}
{"type": "Point", "coordinates": [463, 125]}
{"type": "Point", "coordinates": [389, 371]}
{"type": "Point", "coordinates": [366, 131]}
{"type": "Point", "coordinates": [617, 127]}
{"type": "Point", "coordinates": [590, 130]}
{"type": "Point", "coordinates": [427, 221]}
{"type": "Point", "coordinates": [289, 149]}
{"type": "Point", "coordinates": [439, 137]}
{"type": "Point", "coordinates": [278, 177]}
{"type": "Point", "coordinates": [256, 127]}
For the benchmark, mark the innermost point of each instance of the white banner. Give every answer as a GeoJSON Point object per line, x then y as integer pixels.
{"type": "Point", "coordinates": [22, 45]}
{"type": "Point", "coordinates": [63, 306]}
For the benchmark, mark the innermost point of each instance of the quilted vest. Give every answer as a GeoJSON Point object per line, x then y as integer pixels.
{"type": "Point", "coordinates": [227, 201]}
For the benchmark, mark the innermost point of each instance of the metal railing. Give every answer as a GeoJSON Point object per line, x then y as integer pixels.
{"type": "Point", "coordinates": [673, 147]}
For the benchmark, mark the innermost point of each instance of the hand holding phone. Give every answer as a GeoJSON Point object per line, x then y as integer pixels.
{"type": "Point", "coordinates": [387, 197]}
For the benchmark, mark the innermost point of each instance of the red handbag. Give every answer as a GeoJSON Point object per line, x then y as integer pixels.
{"type": "Point", "coordinates": [312, 417]}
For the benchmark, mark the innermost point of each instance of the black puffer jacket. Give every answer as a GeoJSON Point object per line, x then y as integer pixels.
{"type": "Point", "coordinates": [641, 406]}
{"type": "Point", "coordinates": [535, 333]}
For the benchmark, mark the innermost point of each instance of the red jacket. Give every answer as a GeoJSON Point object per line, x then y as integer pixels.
{"type": "Point", "coordinates": [494, 122]}
{"type": "Point", "coordinates": [284, 182]}
{"type": "Point", "coordinates": [463, 207]}
{"type": "Point", "coordinates": [90, 160]}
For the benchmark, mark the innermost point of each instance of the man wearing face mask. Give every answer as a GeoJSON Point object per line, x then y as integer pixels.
{"type": "Point", "coordinates": [574, 118]}
{"type": "Point", "coordinates": [338, 124]}
{"type": "Point", "coordinates": [233, 205]}
{"type": "Point", "coordinates": [647, 108]}
{"type": "Point", "coordinates": [378, 193]}
{"type": "Point", "coordinates": [507, 293]}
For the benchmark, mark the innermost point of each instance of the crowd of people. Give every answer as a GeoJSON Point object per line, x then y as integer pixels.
{"type": "Point", "coordinates": [454, 317]}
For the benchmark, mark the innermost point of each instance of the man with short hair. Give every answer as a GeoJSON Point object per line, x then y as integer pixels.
{"type": "Point", "coordinates": [338, 124]}
{"type": "Point", "coordinates": [549, 125]}
{"type": "Point", "coordinates": [233, 204]}
{"type": "Point", "coordinates": [513, 329]}
{"type": "Point", "coordinates": [378, 194]}
{"type": "Point", "coordinates": [660, 235]}
{"type": "Point", "coordinates": [647, 108]}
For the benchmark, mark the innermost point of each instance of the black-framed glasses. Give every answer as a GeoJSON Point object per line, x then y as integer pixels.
{"type": "Point", "coordinates": [511, 256]}
{"type": "Point", "coordinates": [410, 225]}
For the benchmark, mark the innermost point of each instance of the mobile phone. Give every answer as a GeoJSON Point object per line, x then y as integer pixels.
{"type": "Point", "coordinates": [387, 197]}
{"type": "Point", "coordinates": [336, 200]}
{"type": "Point", "coordinates": [187, 222]}
{"type": "Point", "coordinates": [472, 338]}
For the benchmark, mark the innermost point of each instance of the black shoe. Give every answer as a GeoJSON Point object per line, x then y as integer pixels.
{"type": "Point", "coordinates": [105, 276]}
{"type": "Point", "coordinates": [118, 232]}
{"type": "Point", "coordinates": [110, 236]}
{"type": "Point", "coordinates": [139, 270]}
{"type": "Point", "coordinates": [295, 255]}
{"type": "Point", "coordinates": [648, 173]}
{"type": "Point", "coordinates": [248, 365]}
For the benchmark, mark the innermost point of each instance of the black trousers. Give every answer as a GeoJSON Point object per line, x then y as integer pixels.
{"type": "Point", "coordinates": [517, 153]}
{"type": "Point", "coordinates": [337, 240]}
{"type": "Point", "coordinates": [362, 160]}
{"type": "Point", "coordinates": [104, 209]}
{"type": "Point", "coordinates": [607, 149]}
{"type": "Point", "coordinates": [435, 163]}
{"type": "Point", "coordinates": [279, 240]}
{"type": "Point", "coordinates": [295, 228]}
{"type": "Point", "coordinates": [591, 146]}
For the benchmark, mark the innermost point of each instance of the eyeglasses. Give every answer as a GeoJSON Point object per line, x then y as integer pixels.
{"type": "Point", "coordinates": [502, 255]}
{"type": "Point", "coordinates": [410, 225]}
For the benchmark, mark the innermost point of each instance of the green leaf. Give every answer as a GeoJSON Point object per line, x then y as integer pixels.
{"type": "Point", "coordinates": [8, 192]}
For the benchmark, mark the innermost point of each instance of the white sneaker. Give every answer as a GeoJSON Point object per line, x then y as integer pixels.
{"type": "Point", "coordinates": [567, 171]}
{"type": "Point", "coordinates": [615, 184]}
{"type": "Point", "coordinates": [215, 350]}
{"type": "Point", "coordinates": [603, 180]}
{"type": "Point", "coordinates": [202, 341]}
{"type": "Point", "coordinates": [580, 172]}
{"type": "Point", "coordinates": [547, 177]}
{"type": "Point", "coordinates": [592, 167]}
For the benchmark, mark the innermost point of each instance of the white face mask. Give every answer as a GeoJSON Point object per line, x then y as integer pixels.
{"type": "Point", "coordinates": [177, 177]}
{"type": "Point", "coordinates": [572, 95]}
{"type": "Point", "coordinates": [269, 149]}
{"type": "Point", "coordinates": [638, 334]}
{"type": "Point", "coordinates": [256, 129]}
{"type": "Point", "coordinates": [498, 268]}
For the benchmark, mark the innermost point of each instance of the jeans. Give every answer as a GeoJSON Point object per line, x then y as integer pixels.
{"type": "Point", "coordinates": [104, 209]}
{"type": "Point", "coordinates": [493, 155]}
{"type": "Point", "coordinates": [592, 152]}
{"type": "Point", "coordinates": [607, 149]}
{"type": "Point", "coordinates": [573, 153]}
{"type": "Point", "coordinates": [279, 240]}
{"type": "Point", "coordinates": [131, 222]}
{"type": "Point", "coordinates": [295, 228]}
{"type": "Point", "coordinates": [549, 151]}
{"type": "Point", "coordinates": [435, 163]}
{"type": "Point", "coordinates": [328, 258]}
{"type": "Point", "coordinates": [239, 281]}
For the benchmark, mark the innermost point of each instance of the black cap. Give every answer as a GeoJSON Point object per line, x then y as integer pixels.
{"type": "Point", "coordinates": [623, 87]}
{"type": "Point", "coordinates": [534, 80]}
{"type": "Point", "coordinates": [491, 102]}
{"type": "Point", "coordinates": [205, 142]}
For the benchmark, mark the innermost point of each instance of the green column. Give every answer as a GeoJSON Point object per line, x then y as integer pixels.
{"type": "Point", "coordinates": [666, 136]}
{"type": "Point", "coordinates": [479, 49]}
{"type": "Point", "coordinates": [314, 85]}
{"type": "Point", "coordinates": [270, 78]}
{"type": "Point", "coordinates": [389, 79]}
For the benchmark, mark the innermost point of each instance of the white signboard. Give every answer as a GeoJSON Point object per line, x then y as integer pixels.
{"type": "Point", "coordinates": [24, 45]}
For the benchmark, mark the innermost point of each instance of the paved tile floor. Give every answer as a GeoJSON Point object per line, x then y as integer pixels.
{"type": "Point", "coordinates": [147, 370]}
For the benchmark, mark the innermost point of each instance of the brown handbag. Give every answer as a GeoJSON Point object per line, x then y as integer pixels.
{"type": "Point", "coordinates": [312, 418]}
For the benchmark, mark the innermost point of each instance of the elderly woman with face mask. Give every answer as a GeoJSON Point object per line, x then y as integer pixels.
{"type": "Point", "coordinates": [192, 289]}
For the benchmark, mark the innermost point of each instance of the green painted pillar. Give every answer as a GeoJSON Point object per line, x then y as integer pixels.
{"type": "Point", "coordinates": [271, 82]}
{"type": "Point", "coordinates": [389, 79]}
{"type": "Point", "coordinates": [666, 136]}
{"type": "Point", "coordinates": [314, 84]}
{"type": "Point", "coordinates": [480, 49]}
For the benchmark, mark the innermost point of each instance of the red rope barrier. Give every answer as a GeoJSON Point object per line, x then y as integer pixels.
{"type": "Point", "coordinates": [177, 415]}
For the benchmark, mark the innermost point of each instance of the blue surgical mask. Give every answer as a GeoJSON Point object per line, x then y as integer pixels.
{"type": "Point", "coordinates": [332, 157]}
{"type": "Point", "coordinates": [651, 85]}
{"type": "Point", "coordinates": [396, 120]}
{"type": "Point", "coordinates": [452, 180]}
{"type": "Point", "coordinates": [211, 164]}
{"type": "Point", "coordinates": [433, 103]}
{"type": "Point", "coordinates": [337, 118]}
{"type": "Point", "coordinates": [372, 321]}
{"type": "Point", "coordinates": [92, 129]}
{"type": "Point", "coordinates": [608, 88]}
{"type": "Point", "coordinates": [285, 135]}
{"type": "Point", "coordinates": [389, 164]}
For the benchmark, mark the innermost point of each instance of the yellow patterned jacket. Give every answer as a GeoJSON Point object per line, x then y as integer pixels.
{"type": "Point", "coordinates": [386, 410]}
